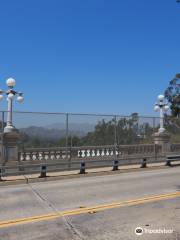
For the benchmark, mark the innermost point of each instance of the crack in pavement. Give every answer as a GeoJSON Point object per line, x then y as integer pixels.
{"type": "Point", "coordinates": [66, 220]}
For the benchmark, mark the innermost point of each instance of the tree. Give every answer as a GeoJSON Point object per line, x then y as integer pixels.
{"type": "Point", "coordinates": [172, 94]}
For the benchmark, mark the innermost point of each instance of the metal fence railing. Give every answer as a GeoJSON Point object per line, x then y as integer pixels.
{"type": "Point", "coordinates": [62, 141]}
{"type": "Point", "coordinates": [39, 129]}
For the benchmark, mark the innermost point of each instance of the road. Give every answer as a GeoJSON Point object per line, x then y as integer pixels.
{"type": "Point", "coordinates": [99, 207]}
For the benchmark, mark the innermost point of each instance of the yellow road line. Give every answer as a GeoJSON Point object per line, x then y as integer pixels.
{"type": "Point", "coordinates": [92, 209]}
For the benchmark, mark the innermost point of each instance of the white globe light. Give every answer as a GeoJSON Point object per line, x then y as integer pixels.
{"type": "Point", "coordinates": [156, 108]}
{"type": "Point", "coordinates": [10, 96]}
{"type": "Point", "coordinates": [166, 108]}
{"type": "Point", "coordinates": [20, 99]}
{"type": "Point", "coordinates": [1, 97]}
{"type": "Point", "coordinates": [11, 82]}
{"type": "Point", "coordinates": [161, 97]}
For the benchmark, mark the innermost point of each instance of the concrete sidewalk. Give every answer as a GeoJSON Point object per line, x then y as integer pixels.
{"type": "Point", "coordinates": [20, 179]}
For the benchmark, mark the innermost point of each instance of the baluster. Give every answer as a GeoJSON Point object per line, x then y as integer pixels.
{"type": "Point", "coordinates": [95, 152]}
{"type": "Point", "coordinates": [90, 153]}
{"type": "Point", "coordinates": [112, 151]}
{"type": "Point", "coordinates": [85, 153]}
{"type": "Point", "coordinates": [60, 154]}
{"type": "Point", "coordinates": [100, 152]}
{"type": "Point", "coordinates": [80, 153]}
{"type": "Point", "coordinates": [56, 155]}
{"type": "Point", "coordinates": [49, 155]}
{"type": "Point", "coordinates": [45, 155]}
{"type": "Point", "coordinates": [37, 155]}
{"type": "Point", "coordinates": [105, 151]}
{"type": "Point", "coordinates": [117, 151]}
{"type": "Point", "coordinates": [31, 155]}
{"type": "Point", "coordinates": [68, 154]}
{"type": "Point", "coordinates": [109, 151]}
{"type": "Point", "coordinates": [23, 156]}
{"type": "Point", "coordinates": [42, 156]}
{"type": "Point", "coordinates": [52, 155]}
{"type": "Point", "coordinates": [26, 156]}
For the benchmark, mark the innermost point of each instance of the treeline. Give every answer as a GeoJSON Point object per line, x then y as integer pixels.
{"type": "Point", "coordinates": [126, 130]}
{"type": "Point", "coordinates": [121, 131]}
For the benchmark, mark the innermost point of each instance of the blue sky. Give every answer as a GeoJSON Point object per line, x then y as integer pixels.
{"type": "Point", "coordinates": [89, 56]}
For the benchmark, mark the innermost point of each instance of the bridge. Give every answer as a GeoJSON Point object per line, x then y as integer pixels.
{"type": "Point", "coordinates": [133, 199]}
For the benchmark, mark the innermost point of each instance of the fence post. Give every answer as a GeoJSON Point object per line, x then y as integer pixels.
{"type": "Point", "coordinates": [115, 130]}
{"type": "Point", "coordinates": [115, 137]}
{"type": "Point", "coordinates": [154, 124]}
{"type": "Point", "coordinates": [2, 122]}
{"type": "Point", "coordinates": [67, 141]}
{"type": "Point", "coordinates": [67, 132]}
{"type": "Point", "coordinates": [3, 156]}
{"type": "Point", "coordinates": [155, 152]}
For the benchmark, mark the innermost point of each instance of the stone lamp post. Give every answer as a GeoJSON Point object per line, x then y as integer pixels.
{"type": "Point", "coordinates": [10, 135]}
{"type": "Point", "coordinates": [162, 137]}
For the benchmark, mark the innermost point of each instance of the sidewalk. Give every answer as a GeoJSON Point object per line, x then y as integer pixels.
{"type": "Point", "coordinates": [51, 176]}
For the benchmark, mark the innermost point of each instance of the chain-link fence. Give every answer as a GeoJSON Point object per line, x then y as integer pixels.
{"type": "Point", "coordinates": [71, 130]}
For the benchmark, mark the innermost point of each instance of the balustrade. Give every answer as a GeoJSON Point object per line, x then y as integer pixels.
{"type": "Point", "coordinates": [89, 152]}
{"type": "Point", "coordinates": [175, 147]}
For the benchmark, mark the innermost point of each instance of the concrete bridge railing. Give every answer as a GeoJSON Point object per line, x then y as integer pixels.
{"type": "Point", "coordinates": [32, 160]}
{"type": "Point", "coordinates": [88, 152]}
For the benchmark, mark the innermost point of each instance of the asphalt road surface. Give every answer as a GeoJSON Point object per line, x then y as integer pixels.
{"type": "Point", "coordinates": [99, 207]}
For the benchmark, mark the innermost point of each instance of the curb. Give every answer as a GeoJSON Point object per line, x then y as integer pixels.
{"type": "Point", "coordinates": [72, 176]}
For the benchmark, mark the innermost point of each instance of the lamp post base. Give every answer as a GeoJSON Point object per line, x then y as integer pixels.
{"type": "Point", "coordinates": [162, 138]}
{"type": "Point", "coordinates": [9, 129]}
{"type": "Point", "coordinates": [9, 147]}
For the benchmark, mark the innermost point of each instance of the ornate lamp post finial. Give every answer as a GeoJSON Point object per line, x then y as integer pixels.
{"type": "Point", "coordinates": [161, 107]}
{"type": "Point", "coordinates": [11, 93]}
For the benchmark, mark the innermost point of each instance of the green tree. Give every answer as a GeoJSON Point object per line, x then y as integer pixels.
{"type": "Point", "coordinates": [172, 94]}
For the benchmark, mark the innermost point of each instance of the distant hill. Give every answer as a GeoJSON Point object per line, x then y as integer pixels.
{"type": "Point", "coordinates": [82, 127]}
{"type": "Point", "coordinates": [57, 131]}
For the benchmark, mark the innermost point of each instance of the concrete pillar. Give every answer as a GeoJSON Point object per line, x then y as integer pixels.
{"type": "Point", "coordinates": [1, 150]}
{"type": "Point", "coordinates": [163, 139]}
{"type": "Point", "coordinates": [9, 147]}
